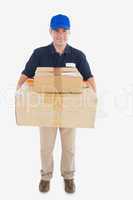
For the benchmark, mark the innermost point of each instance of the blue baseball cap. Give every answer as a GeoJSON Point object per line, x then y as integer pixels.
{"type": "Point", "coordinates": [60, 21]}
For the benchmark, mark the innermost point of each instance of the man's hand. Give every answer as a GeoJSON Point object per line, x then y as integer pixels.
{"type": "Point", "coordinates": [18, 87]}
{"type": "Point", "coordinates": [91, 84]}
{"type": "Point", "coordinates": [22, 79]}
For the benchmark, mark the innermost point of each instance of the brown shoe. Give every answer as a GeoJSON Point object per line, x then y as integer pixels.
{"type": "Point", "coordinates": [69, 185]}
{"type": "Point", "coordinates": [44, 186]}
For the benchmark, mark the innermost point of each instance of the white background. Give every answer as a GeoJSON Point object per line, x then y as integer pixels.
{"type": "Point", "coordinates": [103, 31]}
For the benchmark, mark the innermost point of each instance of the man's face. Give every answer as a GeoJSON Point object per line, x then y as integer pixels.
{"type": "Point", "coordinates": [60, 36]}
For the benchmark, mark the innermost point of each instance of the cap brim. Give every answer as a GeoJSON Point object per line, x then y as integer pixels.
{"type": "Point", "coordinates": [60, 26]}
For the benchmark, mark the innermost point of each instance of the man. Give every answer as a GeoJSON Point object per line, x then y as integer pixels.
{"type": "Point", "coordinates": [58, 54]}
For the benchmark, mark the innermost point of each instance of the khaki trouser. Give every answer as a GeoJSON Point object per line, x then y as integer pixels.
{"type": "Point", "coordinates": [47, 141]}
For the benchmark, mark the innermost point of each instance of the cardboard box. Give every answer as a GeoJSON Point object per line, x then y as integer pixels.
{"type": "Point", "coordinates": [57, 80]}
{"type": "Point", "coordinates": [55, 109]}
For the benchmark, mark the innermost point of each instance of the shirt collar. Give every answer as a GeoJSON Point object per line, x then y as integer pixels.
{"type": "Point", "coordinates": [53, 50]}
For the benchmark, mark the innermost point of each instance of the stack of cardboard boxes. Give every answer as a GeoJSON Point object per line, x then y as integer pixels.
{"type": "Point", "coordinates": [56, 97]}
{"type": "Point", "coordinates": [57, 80]}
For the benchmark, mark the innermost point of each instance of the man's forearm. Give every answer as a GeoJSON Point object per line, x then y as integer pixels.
{"type": "Point", "coordinates": [91, 83]}
{"type": "Point", "coordinates": [22, 79]}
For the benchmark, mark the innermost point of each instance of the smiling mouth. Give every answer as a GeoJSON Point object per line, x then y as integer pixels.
{"type": "Point", "coordinates": [60, 40]}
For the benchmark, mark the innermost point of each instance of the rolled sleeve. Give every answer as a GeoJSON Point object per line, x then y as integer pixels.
{"type": "Point", "coordinates": [31, 65]}
{"type": "Point", "coordinates": [84, 68]}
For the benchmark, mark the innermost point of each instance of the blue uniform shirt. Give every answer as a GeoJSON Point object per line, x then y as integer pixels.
{"type": "Point", "coordinates": [48, 57]}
